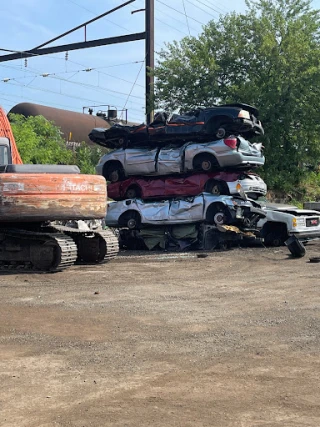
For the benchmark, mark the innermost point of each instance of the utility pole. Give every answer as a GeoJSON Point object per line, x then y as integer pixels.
{"type": "Point", "coordinates": [149, 59]}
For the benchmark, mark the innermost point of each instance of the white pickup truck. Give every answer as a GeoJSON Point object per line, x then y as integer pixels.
{"type": "Point", "coordinates": [283, 221]}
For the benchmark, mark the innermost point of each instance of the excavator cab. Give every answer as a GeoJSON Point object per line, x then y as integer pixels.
{"type": "Point", "coordinates": [5, 151]}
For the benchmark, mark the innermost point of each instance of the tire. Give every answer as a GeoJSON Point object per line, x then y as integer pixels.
{"type": "Point", "coordinates": [205, 163]}
{"type": "Point", "coordinates": [295, 247]}
{"type": "Point", "coordinates": [218, 127]}
{"type": "Point", "coordinates": [132, 223]}
{"type": "Point", "coordinates": [133, 193]}
{"type": "Point", "coordinates": [114, 173]}
{"type": "Point", "coordinates": [221, 133]}
{"type": "Point", "coordinates": [217, 214]}
{"type": "Point", "coordinates": [274, 239]}
{"type": "Point", "coordinates": [218, 188]}
{"type": "Point", "coordinates": [130, 219]}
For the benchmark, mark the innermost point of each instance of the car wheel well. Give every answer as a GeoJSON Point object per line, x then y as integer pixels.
{"type": "Point", "coordinates": [112, 166]}
{"type": "Point", "coordinates": [217, 187]}
{"type": "Point", "coordinates": [274, 233]}
{"type": "Point", "coordinates": [134, 188]}
{"type": "Point", "coordinates": [130, 219]}
{"type": "Point", "coordinates": [216, 122]}
{"type": "Point", "coordinates": [215, 209]}
{"type": "Point", "coordinates": [205, 162]}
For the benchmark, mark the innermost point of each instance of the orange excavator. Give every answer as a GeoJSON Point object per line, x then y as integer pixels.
{"type": "Point", "coordinates": [35, 200]}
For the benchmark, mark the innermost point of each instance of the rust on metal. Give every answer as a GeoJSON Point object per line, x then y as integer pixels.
{"type": "Point", "coordinates": [6, 131]}
{"type": "Point", "coordinates": [44, 197]}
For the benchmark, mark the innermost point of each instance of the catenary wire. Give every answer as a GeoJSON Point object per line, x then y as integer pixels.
{"type": "Point", "coordinates": [185, 12]}
{"type": "Point", "coordinates": [62, 94]}
{"type": "Point", "coordinates": [170, 7]}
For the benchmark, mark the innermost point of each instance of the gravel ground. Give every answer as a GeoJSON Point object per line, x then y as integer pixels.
{"type": "Point", "coordinates": [164, 339]}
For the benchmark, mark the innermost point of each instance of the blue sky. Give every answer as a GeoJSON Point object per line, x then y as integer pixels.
{"type": "Point", "coordinates": [117, 71]}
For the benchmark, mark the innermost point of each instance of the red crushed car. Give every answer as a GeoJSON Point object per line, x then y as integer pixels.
{"type": "Point", "coordinates": [218, 183]}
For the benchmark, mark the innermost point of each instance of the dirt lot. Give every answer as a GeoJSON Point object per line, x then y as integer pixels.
{"type": "Point", "coordinates": [164, 339]}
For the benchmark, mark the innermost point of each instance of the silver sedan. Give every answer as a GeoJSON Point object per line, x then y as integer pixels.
{"type": "Point", "coordinates": [208, 156]}
{"type": "Point", "coordinates": [218, 210]}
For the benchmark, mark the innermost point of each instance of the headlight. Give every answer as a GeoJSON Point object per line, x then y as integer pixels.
{"type": "Point", "coordinates": [238, 187]}
{"type": "Point", "coordinates": [297, 221]}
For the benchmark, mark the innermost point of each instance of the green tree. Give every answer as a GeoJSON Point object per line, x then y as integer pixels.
{"type": "Point", "coordinates": [39, 140]}
{"type": "Point", "coordinates": [88, 157]}
{"type": "Point", "coordinates": [268, 57]}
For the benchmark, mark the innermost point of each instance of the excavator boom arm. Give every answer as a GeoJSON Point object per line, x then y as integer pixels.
{"type": "Point", "coordinates": [6, 131]}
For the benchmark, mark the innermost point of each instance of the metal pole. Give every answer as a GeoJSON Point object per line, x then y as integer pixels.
{"type": "Point", "coordinates": [149, 59]}
{"type": "Point", "coordinates": [73, 46]}
{"type": "Point", "coordinates": [84, 24]}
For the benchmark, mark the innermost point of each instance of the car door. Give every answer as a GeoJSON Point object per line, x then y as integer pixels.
{"type": "Point", "coordinates": [154, 213]}
{"type": "Point", "coordinates": [169, 161]}
{"type": "Point", "coordinates": [187, 210]}
{"type": "Point", "coordinates": [140, 161]}
{"type": "Point", "coordinates": [181, 186]}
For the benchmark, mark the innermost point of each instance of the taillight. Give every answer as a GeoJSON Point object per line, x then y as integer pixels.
{"type": "Point", "coordinates": [231, 142]}
{"type": "Point", "coordinates": [244, 114]}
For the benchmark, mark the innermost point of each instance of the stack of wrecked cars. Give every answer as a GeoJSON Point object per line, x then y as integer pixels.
{"type": "Point", "coordinates": [184, 182]}
{"type": "Point", "coordinates": [190, 182]}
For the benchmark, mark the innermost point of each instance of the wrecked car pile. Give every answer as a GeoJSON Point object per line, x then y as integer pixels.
{"type": "Point", "coordinates": [183, 182]}
{"type": "Point", "coordinates": [201, 124]}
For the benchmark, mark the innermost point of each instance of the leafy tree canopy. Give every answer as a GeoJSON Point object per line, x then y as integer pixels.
{"type": "Point", "coordinates": [39, 141]}
{"type": "Point", "coordinates": [268, 57]}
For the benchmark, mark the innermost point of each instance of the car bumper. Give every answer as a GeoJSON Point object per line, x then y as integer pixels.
{"type": "Point", "coordinates": [259, 188]}
{"type": "Point", "coordinates": [241, 161]}
{"type": "Point", "coordinates": [306, 235]}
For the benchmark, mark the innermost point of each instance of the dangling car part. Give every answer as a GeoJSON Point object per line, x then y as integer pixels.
{"type": "Point", "coordinates": [205, 124]}
{"type": "Point", "coordinates": [295, 247]}
{"type": "Point", "coordinates": [233, 152]}
{"type": "Point", "coordinates": [218, 210]}
{"type": "Point", "coordinates": [217, 183]}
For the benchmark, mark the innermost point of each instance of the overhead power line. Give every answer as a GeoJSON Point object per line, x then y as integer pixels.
{"type": "Point", "coordinates": [174, 19]}
{"type": "Point", "coordinates": [125, 104]}
{"type": "Point", "coordinates": [100, 88]}
{"type": "Point", "coordinates": [198, 7]}
{"type": "Point", "coordinates": [93, 13]}
{"type": "Point", "coordinates": [73, 72]}
{"type": "Point", "coordinates": [34, 88]}
{"type": "Point", "coordinates": [181, 13]}
{"type": "Point", "coordinates": [223, 9]}
{"type": "Point", "coordinates": [185, 12]}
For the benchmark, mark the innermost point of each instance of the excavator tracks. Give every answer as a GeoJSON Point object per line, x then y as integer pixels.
{"type": "Point", "coordinates": [94, 246]}
{"type": "Point", "coordinates": [36, 251]}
